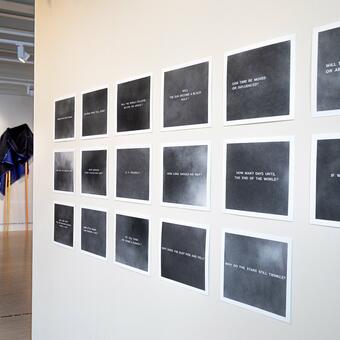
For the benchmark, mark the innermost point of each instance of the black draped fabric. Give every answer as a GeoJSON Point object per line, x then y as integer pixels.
{"type": "Point", "coordinates": [16, 148]}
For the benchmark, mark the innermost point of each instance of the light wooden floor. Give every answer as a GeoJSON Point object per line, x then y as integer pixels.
{"type": "Point", "coordinates": [15, 285]}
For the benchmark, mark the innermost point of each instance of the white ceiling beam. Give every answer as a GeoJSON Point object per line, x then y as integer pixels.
{"type": "Point", "coordinates": [9, 82]}
{"type": "Point", "coordinates": [16, 42]}
{"type": "Point", "coordinates": [15, 16]}
{"type": "Point", "coordinates": [14, 60]}
{"type": "Point", "coordinates": [22, 80]}
{"type": "Point", "coordinates": [13, 82]}
{"type": "Point", "coordinates": [16, 32]}
{"type": "Point", "coordinates": [16, 7]}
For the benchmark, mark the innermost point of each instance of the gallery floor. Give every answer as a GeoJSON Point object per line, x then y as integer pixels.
{"type": "Point", "coordinates": [15, 285]}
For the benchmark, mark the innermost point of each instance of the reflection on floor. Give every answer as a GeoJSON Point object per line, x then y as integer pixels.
{"type": "Point", "coordinates": [15, 285]}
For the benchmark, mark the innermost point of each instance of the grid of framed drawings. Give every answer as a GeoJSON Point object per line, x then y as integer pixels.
{"type": "Point", "coordinates": [258, 173]}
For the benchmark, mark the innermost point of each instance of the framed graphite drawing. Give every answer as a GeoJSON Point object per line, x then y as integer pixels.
{"type": "Point", "coordinates": [133, 173]}
{"type": "Point", "coordinates": [94, 232]}
{"type": "Point", "coordinates": [259, 82]}
{"type": "Point", "coordinates": [186, 96]}
{"type": "Point", "coordinates": [184, 255]}
{"type": "Point", "coordinates": [63, 230]}
{"type": "Point", "coordinates": [258, 177]}
{"type": "Point", "coordinates": [132, 244]}
{"type": "Point", "coordinates": [325, 180]}
{"type": "Point", "coordinates": [94, 113]}
{"type": "Point", "coordinates": [64, 171]}
{"type": "Point", "coordinates": [94, 172]}
{"type": "Point", "coordinates": [64, 119]}
{"type": "Point", "coordinates": [134, 105]}
{"type": "Point", "coordinates": [326, 70]}
{"type": "Point", "coordinates": [256, 273]}
{"type": "Point", "coordinates": [186, 175]}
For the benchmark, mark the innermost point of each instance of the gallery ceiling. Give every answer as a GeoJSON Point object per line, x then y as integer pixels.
{"type": "Point", "coordinates": [16, 29]}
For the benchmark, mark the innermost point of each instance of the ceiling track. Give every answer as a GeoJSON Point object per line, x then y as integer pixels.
{"type": "Point", "coordinates": [21, 81]}
{"type": "Point", "coordinates": [14, 60]}
{"type": "Point", "coordinates": [10, 82]}
{"type": "Point", "coordinates": [12, 51]}
{"type": "Point", "coordinates": [17, 33]}
{"type": "Point", "coordinates": [17, 14]}
{"type": "Point", "coordinates": [16, 42]}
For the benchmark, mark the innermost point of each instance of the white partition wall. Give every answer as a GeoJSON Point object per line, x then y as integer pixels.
{"type": "Point", "coordinates": [141, 51]}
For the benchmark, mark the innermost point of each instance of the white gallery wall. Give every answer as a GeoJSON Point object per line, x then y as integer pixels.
{"type": "Point", "coordinates": [82, 45]}
{"type": "Point", "coordinates": [14, 111]}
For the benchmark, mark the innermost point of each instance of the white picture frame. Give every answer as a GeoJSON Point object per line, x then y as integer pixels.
{"type": "Point", "coordinates": [74, 171]}
{"type": "Point", "coordinates": [126, 80]}
{"type": "Point", "coordinates": [127, 147]}
{"type": "Point", "coordinates": [95, 208]}
{"type": "Point", "coordinates": [95, 148]}
{"type": "Point", "coordinates": [270, 119]}
{"type": "Point", "coordinates": [314, 71]}
{"type": "Point", "coordinates": [312, 210]}
{"type": "Point", "coordinates": [108, 111]}
{"type": "Point", "coordinates": [207, 207]}
{"type": "Point", "coordinates": [207, 252]}
{"type": "Point", "coordinates": [68, 204]}
{"type": "Point", "coordinates": [290, 216]}
{"type": "Point", "coordinates": [122, 265]}
{"type": "Point", "coordinates": [180, 66]}
{"type": "Point", "coordinates": [281, 239]}
{"type": "Point", "coordinates": [59, 140]}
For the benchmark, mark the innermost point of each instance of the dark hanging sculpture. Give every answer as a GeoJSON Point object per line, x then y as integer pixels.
{"type": "Point", "coordinates": [16, 149]}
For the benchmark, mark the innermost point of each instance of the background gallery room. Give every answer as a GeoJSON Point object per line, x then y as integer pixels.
{"type": "Point", "coordinates": [186, 170]}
